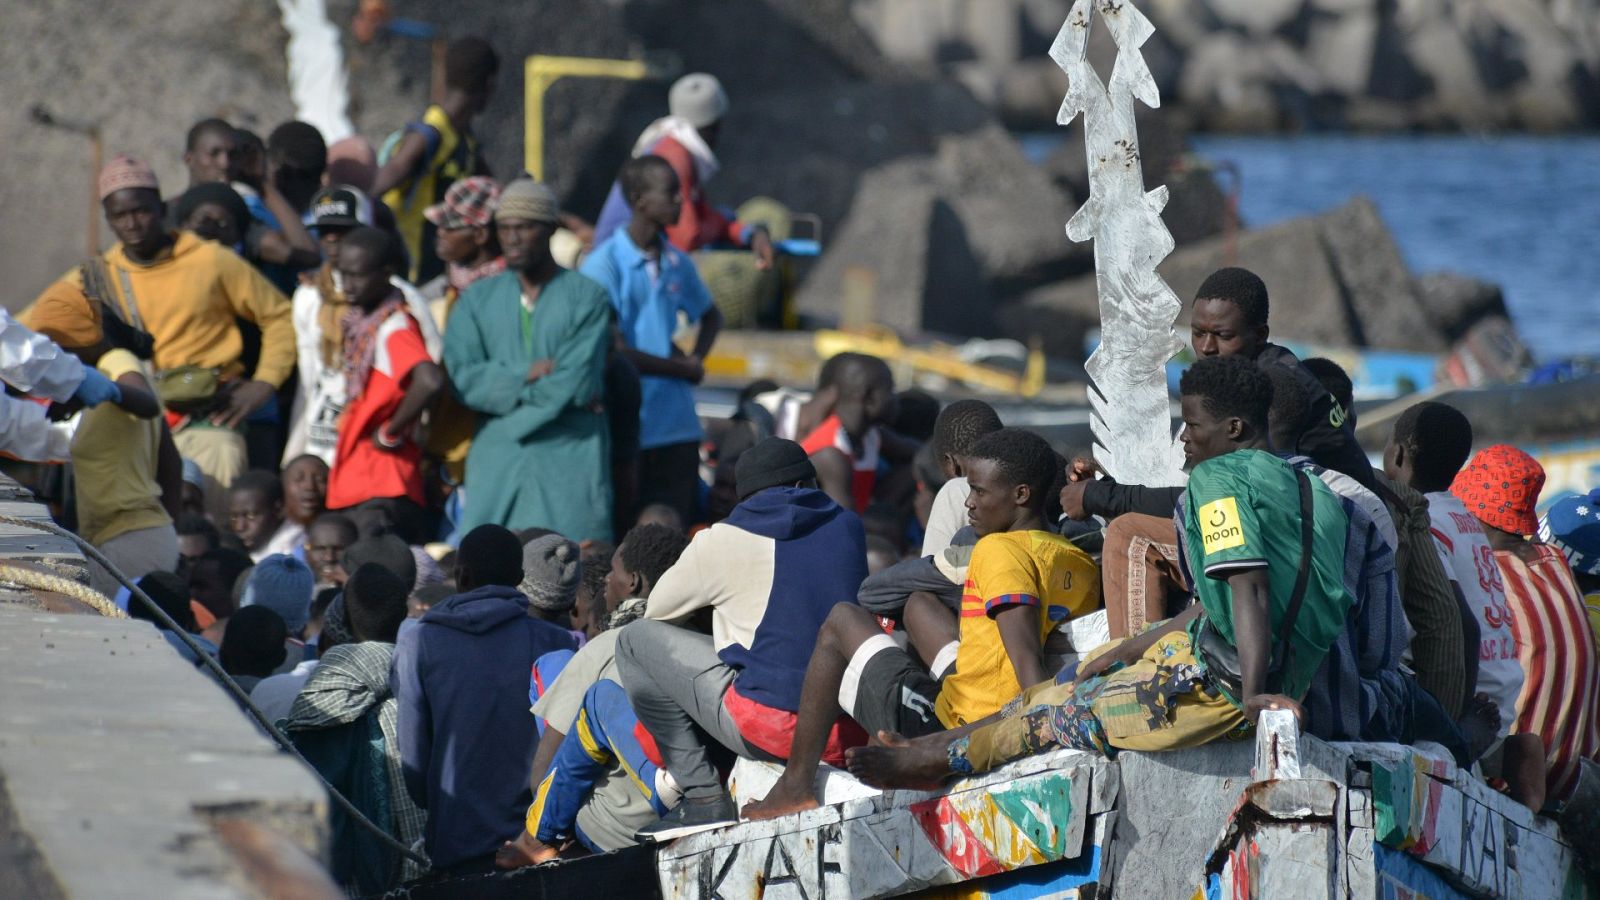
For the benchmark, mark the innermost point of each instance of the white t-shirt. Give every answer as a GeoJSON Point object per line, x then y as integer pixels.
{"type": "Point", "coordinates": [1469, 561]}
{"type": "Point", "coordinates": [948, 516]}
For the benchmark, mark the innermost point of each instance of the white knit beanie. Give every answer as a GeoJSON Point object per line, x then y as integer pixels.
{"type": "Point", "coordinates": [699, 99]}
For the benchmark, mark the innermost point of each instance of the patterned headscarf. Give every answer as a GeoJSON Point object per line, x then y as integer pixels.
{"type": "Point", "coordinates": [336, 625]}
{"type": "Point", "coordinates": [1501, 485]}
{"type": "Point", "coordinates": [361, 342]}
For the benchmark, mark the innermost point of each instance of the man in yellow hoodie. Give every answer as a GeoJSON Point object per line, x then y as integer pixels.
{"type": "Point", "coordinates": [186, 293]}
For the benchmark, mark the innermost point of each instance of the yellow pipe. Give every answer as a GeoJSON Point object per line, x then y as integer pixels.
{"type": "Point", "coordinates": [540, 72]}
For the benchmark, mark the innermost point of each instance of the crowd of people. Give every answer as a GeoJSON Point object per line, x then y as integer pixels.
{"type": "Point", "coordinates": [411, 450]}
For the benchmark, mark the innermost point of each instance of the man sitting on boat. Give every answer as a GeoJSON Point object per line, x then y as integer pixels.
{"type": "Point", "coordinates": [1267, 545]}
{"type": "Point", "coordinates": [1023, 582]}
{"type": "Point", "coordinates": [768, 575]}
{"type": "Point", "coordinates": [1228, 318]}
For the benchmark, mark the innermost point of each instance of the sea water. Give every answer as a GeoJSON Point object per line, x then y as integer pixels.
{"type": "Point", "coordinates": [1519, 210]}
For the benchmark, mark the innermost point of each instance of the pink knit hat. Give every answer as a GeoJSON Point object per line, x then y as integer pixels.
{"type": "Point", "coordinates": [126, 172]}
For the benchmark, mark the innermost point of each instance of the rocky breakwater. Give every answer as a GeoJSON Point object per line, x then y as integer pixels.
{"type": "Point", "coordinates": [1268, 65]}
{"type": "Point", "coordinates": [1336, 279]}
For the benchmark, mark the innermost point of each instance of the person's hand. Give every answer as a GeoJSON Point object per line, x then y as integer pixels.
{"type": "Point", "coordinates": [96, 389]}
{"type": "Point", "coordinates": [386, 442]}
{"type": "Point", "coordinates": [761, 246]}
{"type": "Point", "coordinates": [1072, 500]}
{"type": "Point", "coordinates": [1256, 704]}
{"type": "Point", "coordinates": [584, 232]}
{"type": "Point", "coordinates": [60, 412]}
{"type": "Point", "coordinates": [243, 399]}
{"type": "Point", "coordinates": [540, 369]}
{"type": "Point", "coordinates": [694, 369]}
{"type": "Point", "coordinates": [1083, 468]}
{"type": "Point", "coordinates": [1123, 653]}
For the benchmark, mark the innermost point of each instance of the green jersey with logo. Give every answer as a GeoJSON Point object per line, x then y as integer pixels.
{"type": "Point", "coordinates": [1242, 511]}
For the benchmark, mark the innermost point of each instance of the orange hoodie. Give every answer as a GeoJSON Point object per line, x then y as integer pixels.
{"type": "Point", "coordinates": [188, 301]}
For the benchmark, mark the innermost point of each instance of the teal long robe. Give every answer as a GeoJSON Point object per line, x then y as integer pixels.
{"type": "Point", "coordinates": [540, 455]}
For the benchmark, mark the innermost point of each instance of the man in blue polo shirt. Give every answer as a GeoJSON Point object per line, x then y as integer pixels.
{"type": "Point", "coordinates": [650, 282]}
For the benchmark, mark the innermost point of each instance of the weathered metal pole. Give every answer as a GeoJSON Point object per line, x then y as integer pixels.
{"type": "Point", "coordinates": [1131, 412]}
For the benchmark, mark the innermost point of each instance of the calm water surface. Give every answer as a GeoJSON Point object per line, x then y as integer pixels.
{"type": "Point", "coordinates": [1521, 211]}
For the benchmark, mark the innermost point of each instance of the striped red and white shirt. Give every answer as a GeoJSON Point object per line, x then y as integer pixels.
{"type": "Point", "coordinates": [1560, 698]}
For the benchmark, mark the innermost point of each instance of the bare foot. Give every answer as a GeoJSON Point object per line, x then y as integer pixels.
{"type": "Point", "coordinates": [888, 739]}
{"type": "Point", "coordinates": [526, 850]}
{"type": "Point", "coordinates": [1479, 724]}
{"type": "Point", "coordinates": [784, 799]}
{"type": "Point", "coordinates": [920, 765]}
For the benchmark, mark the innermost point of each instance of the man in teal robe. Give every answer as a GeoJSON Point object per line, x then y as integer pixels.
{"type": "Point", "coordinates": [526, 350]}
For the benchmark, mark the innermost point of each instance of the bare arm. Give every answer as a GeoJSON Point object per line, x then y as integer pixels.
{"type": "Point", "coordinates": [834, 476]}
{"type": "Point", "coordinates": [546, 754]}
{"type": "Point", "coordinates": [1131, 649]}
{"type": "Point", "coordinates": [276, 248]}
{"type": "Point", "coordinates": [169, 474]}
{"type": "Point", "coordinates": [401, 165]}
{"type": "Point", "coordinates": [427, 380]}
{"type": "Point", "coordinates": [137, 397]}
{"type": "Point", "coordinates": [294, 231]}
{"type": "Point", "coordinates": [1019, 631]}
{"type": "Point", "coordinates": [686, 368]}
{"type": "Point", "coordinates": [1252, 635]}
{"type": "Point", "coordinates": [710, 327]}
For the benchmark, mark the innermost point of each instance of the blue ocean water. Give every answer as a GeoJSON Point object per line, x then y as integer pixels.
{"type": "Point", "coordinates": [1522, 211]}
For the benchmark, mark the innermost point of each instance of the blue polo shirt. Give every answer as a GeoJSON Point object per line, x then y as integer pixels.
{"type": "Point", "coordinates": [647, 304]}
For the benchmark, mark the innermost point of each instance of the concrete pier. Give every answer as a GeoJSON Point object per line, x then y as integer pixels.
{"type": "Point", "coordinates": [120, 762]}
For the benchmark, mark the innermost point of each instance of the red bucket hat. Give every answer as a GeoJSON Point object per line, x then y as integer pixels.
{"type": "Point", "coordinates": [1500, 486]}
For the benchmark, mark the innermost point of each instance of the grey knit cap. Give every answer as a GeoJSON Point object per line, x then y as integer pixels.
{"type": "Point", "coordinates": [527, 199]}
{"type": "Point", "coordinates": [698, 98]}
{"type": "Point", "coordinates": [551, 572]}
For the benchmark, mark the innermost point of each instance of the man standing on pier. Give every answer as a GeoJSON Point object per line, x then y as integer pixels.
{"type": "Point", "coordinates": [526, 350]}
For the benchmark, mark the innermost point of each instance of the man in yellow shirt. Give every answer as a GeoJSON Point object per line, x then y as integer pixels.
{"type": "Point", "coordinates": [186, 293]}
{"type": "Point", "coordinates": [1022, 582]}
{"type": "Point", "coordinates": [128, 471]}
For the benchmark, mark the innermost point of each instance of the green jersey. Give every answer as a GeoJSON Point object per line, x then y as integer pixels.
{"type": "Point", "coordinates": [1242, 511]}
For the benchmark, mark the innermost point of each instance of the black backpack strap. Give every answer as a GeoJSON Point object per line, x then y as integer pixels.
{"type": "Point", "coordinates": [1301, 579]}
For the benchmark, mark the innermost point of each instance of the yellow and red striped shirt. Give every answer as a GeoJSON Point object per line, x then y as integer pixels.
{"type": "Point", "coordinates": [1560, 699]}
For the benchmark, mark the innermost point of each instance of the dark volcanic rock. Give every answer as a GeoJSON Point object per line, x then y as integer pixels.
{"type": "Point", "coordinates": [1335, 279]}
{"type": "Point", "coordinates": [944, 235]}
{"type": "Point", "coordinates": [1455, 302]}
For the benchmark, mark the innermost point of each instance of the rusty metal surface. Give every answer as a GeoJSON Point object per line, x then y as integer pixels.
{"type": "Point", "coordinates": [273, 865]}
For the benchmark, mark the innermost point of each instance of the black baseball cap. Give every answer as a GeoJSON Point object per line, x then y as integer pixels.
{"type": "Point", "coordinates": [340, 206]}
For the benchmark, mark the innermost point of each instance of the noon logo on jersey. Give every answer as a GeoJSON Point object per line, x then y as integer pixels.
{"type": "Point", "coordinates": [1220, 528]}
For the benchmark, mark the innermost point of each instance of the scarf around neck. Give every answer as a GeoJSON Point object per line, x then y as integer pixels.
{"type": "Point", "coordinates": [462, 277]}
{"type": "Point", "coordinates": [361, 341]}
{"type": "Point", "coordinates": [351, 679]}
{"type": "Point", "coordinates": [705, 160]}
{"type": "Point", "coordinates": [330, 315]}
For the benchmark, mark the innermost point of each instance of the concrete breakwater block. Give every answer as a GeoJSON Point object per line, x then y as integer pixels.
{"type": "Point", "coordinates": [118, 758]}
